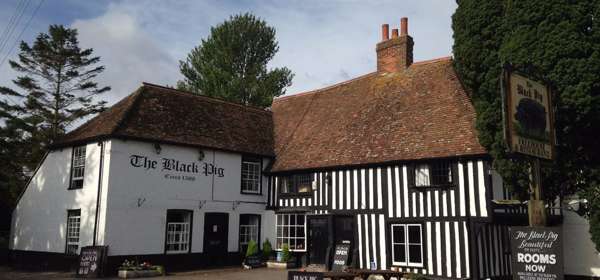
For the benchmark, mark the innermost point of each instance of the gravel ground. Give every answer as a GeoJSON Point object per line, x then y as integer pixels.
{"type": "Point", "coordinates": [213, 274]}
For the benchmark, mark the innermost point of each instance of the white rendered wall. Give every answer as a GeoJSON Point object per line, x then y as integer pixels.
{"type": "Point", "coordinates": [40, 217]}
{"type": "Point", "coordinates": [138, 198]}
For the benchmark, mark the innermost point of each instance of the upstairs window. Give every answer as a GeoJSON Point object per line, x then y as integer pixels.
{"type": "Point", "coordinates": [407, 245]}
{"type": "Point", "coordinates": [73, 224]}
{"type": "Point", "coordinates": [251, 176]}
{"type": "Point", "coordinates": [77, 167]}
{"type": "Point", "coordinates": [433, 174]}
{"type": "Point", "coordinates": [296, 184]}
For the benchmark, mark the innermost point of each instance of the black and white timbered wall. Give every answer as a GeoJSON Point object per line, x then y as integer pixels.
{"type": "Point", "coordinates": [380, 196]}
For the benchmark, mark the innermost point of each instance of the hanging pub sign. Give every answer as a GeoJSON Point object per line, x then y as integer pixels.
{"type": "Point", "coordinates": [91, 261]}
{"type": "Point", "coordinates": [536, 253]}
{"type": "Point", "coordinates": [528, 115]}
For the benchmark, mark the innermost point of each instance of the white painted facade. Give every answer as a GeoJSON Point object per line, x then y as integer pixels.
{"type": "Point", "coordinates": [133, 200]}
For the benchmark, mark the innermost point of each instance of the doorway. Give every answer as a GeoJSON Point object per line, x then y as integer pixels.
{"type": "Point", "coordinates": [216, 230]}
{"type": "Point", "coordinates": [318, 239]}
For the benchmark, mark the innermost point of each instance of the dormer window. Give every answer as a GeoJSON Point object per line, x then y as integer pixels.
{"type": "Point", "coordinates": [434, 174]}
{"type": "Point", "coordinates": [77, 167]}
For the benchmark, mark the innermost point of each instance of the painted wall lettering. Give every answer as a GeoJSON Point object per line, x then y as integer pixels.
{"type": "Point", "coordinates": [171, 164]}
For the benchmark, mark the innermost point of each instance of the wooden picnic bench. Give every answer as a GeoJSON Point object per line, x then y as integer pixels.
{"type": "Point", "coordinates": [339, 275]}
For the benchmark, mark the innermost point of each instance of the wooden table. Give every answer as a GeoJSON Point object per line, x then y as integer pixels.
{"type": "Point", "coordinates": [339, 275]}
{"type": "Point", "coordinates": [386, 274]}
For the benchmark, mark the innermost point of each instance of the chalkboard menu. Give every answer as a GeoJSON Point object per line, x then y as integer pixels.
{"type": "Point", "coordinates": [91, 261]}
{"type": "Point", "coordinates": [536, 253]}
{"type": "Point", "coordinates": [340, 258]}
{"type": "Point", "coordinates": [301, 275]}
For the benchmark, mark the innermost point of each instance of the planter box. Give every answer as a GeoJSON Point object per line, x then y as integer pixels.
{"type": "Point", "coordinates": [138, 273]}
{"type": "Point", "coordinates": [281, 265]}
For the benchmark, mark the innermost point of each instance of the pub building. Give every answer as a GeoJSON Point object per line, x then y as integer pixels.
{"type": "Point", "coordinates": [388, 162]}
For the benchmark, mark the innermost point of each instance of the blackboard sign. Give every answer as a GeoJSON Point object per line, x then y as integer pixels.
{"type": "Point", "coordinates": [536, 253]}
{"type": "Point", "coordinates": [91, 261]}
{"type": "Point", "coordinates": [340, 257]}
{"type": "Point", "coordinates": [301, 275]}
{"type": "Point", "coordinates": [253, 261]}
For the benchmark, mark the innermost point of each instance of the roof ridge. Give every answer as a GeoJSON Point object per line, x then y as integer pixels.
{"type": "Point", "coordinates": [433, 60]}
{"type": "Point", "coordinates": [136, 97]}
{"type": "Point", "coordinates": [325, 88]}
{"type": "Point", "coordinates": [208, 98]}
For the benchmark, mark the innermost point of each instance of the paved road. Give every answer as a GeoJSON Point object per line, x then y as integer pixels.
{"type": "Point", "coordinates": [216, 274]}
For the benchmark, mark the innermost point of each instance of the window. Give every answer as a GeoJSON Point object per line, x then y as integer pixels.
{"type": "Point", "coordinates": [178, 231]}
{"type": "Point", "coordinates": [73, 223]}
{"type": "Point", "coordinates": [77, 167]}
{"type": "Point", "coordinates": [249, 230]}
{"type": "Point", "coordinates": [407, 245]}
{"type": "Point", "coordinates": [251, 168]}
{"type": "Point", "coordinates": [434, 174]}
{"type": "Point", "coordinates": [296, 184]}
{"type": "Point", "coordinates": [291, 231]}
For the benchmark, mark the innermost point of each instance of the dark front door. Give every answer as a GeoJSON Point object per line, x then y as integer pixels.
{"type": "Point", "coordinates": [215, 237]}
{"type": "Point", "coordinates": [318, 239]}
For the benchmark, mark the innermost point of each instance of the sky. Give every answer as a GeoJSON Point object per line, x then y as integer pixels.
{"type": "Point", "coordinates": [322, 42]}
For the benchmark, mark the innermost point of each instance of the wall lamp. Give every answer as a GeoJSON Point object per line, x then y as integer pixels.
{"type": "Point", "coordinates": [157, 148]}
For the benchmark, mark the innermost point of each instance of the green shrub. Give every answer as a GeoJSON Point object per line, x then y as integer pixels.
{"type": "Point", "coordinates": [252, 248]}
{"type": "Point", "coordinates": [267, 249]}
{"type": "Point", "coordinates": [286, 253]}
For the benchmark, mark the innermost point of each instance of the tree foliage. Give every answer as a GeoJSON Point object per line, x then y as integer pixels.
{"type": "Point", "coordinates": [56, 87]}
{"type": "Point", "coordinates": [232, 63]}
{"type": "Point", "coordinates": [556, 41]}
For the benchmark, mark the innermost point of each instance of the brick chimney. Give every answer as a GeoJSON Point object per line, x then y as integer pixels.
{"type": "Point", "coordinates": [396, 53]}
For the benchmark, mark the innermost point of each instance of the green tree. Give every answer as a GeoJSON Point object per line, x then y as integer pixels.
{"type": "Point", "coordinates": [57, 88]}
{"type": "Point", "coordinates": [232, 63]}
{"type": "Point", "coordinates": [557, 41]}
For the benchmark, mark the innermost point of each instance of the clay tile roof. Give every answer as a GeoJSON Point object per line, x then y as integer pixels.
{"type": "Point", "coordinates": [420, 113]}
{"type": "Point", "coordinates": [159, 114]}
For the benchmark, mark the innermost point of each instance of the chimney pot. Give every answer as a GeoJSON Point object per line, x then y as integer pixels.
{"type": "Point", "coordinates": [394, 33]}
{"type": "Point", "coordinates": [403, 26]}
{"type": "Point", "coordinates": [385, 32]}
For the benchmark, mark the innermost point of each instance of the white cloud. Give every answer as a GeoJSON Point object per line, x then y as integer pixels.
{"type": "Point", "coordinates": [130, 54]}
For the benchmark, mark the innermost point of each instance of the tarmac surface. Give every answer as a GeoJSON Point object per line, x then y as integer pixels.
{"type": "Point", "coordinates": [235, 273]}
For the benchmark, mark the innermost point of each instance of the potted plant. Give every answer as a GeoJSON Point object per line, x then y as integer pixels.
{"type": "Point", "coordinates": [267, 250]}
{"type": "Point", "coordinates": [284, 259]}
{"type": "Point", "coordinates": [133, 269]}
{"type": "Point", "coordinates": [253, 258]}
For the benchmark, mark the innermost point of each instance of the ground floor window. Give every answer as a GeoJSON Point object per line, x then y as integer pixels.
{"type": "Point", "coordinates": [291, 230]}
{"type": "Point", "coordinates": [179, 224]}
{"type": "Point", "coordinates": [407, 245]}
{"type": "Point", "coordinates": [73, 225]}
{"type": "Point", "coordinates": [249, 230]}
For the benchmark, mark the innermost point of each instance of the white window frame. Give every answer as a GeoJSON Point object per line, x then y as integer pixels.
{"type": "Point", "coordinates": [279, 223]}
{"type": "Point", "coordinates": [251, 176]}
{"type": "Point", "coordinates": [73, 231]}
{"type": "Point", "coordinates": [77, 166]}
{"type": "Point", "coordinates": [406, 245]}
{"type": "Point", "coordinates": [179, 233]}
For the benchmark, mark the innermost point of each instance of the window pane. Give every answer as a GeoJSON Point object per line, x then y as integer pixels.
{"type": "Point", "coordinates": [304, 183]}
{"type": "Point", "coordinates": [422, 175]}
{"type": "Point", "coordinates": [414, 251]}
{"type": "Point", "coordinates": [442, 173]}
{"type": "Point", "coordinates": [399, 253]}
{"type": "Point", "coordinates": [414, 234]}
{"type": "Point", "coordinates": [398, 234]}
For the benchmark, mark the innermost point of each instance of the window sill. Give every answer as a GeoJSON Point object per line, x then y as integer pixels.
{"type": "Point", "coordinates": [294, 195]}
{"type": "Point", "coordinates": [74, 188]}
{"type": "Point", "coordinates": [448, 186]}
{"type": "Point", "coordinates": [407, 266]}
{"type": "Point", "coordinates": [251, 193]}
